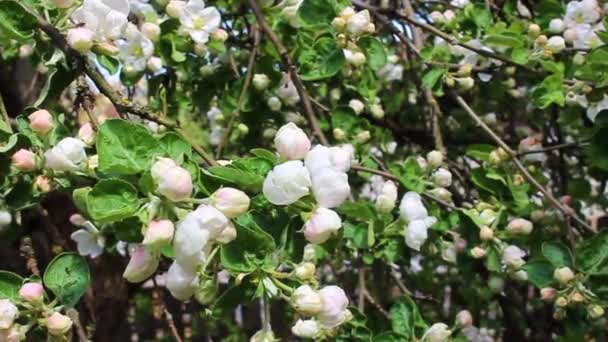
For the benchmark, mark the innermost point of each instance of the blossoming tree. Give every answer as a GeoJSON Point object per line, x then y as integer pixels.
{"type": "Point", "coordinates": [339, 170]}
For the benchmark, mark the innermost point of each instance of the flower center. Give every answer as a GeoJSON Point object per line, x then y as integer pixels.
{"type": "Point", "coordinates": [137, 51]}
{"type": "Point", "coordinates": [198, 23]}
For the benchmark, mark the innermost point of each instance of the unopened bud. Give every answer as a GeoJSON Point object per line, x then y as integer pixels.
{"type": "Point", "coordinates": [478, 252]}
{"type": "Point", "coordinates": [486, 233]}
{"type": "Point", "coordinates": [563, 275]}
{"type": "Point", "coordinates": [561, 302]}
{"type": "Point", "coordinates": [159, 233]}
{"type": "Point", "coordinates": [435, 159]}
{"type": "Point", "coordinates": [41, 121]}
{"type": "Point", "coordinates": [595, 311]}
{"type": "Point", "coordinates": [24, 160]}
{"type": "Point", "coordinates": [80, 39]}
{"type": "Point", "coordinates": [339, 134]}
{"type": "Point", "coordinates": [274, 103]}
{"type": "Point", "coordinates": [363, 137]}
{"type": "Point", "coordinates": [230, 201]}
{"type": "Point", "coordinates": [548, 294]}
{"type": "Point", "coordinates": [305, 271]}
{"type": "Point", "coordinates": [150, 31]}
{"type": "Point", "coordinates": [533, 30]}
{"type": "Point", "coordinates": [32, 292]}
{"type": "Point", "coordinates": [464, 318]}
{"type": "Point", "coordinates": [465, 70]}
{"type": "Point", "coordinates": [58, 324]}
{"type": "Point", "coordinates": [261, 81]}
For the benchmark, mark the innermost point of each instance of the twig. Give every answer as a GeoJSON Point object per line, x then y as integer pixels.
{"type": "Point", "coordinates": [362, 290]}
{"type": "Point", "coordinates": [168, 316]}
{"type": "Point", "coordinates": [555, 147]}
{"type": "Point", "coordinates": [291, 68]}
{"type": "Point", "coordinates": [237, 112]}
{"type": "Point", "coordinates": [27, 251]}
{"type": "Point", "coordinates": [554, 201]}
{"type": "Point", "coordinates": [75, 317]}
{"type": "Point", "coordinates": [373, 302]}
{"type": "Point", "coordinates": [4, 115]}
{"type": "Point", "coordinates": [121, 104]}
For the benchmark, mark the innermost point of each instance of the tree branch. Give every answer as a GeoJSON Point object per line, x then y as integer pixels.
{"type": "Point", "coordinates": [291, 68]}
{"type": "Point", "coordinates": [554, 201]}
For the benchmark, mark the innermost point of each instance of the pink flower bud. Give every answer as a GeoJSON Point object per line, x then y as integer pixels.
{"type": "Point", "coordinates": [150, 31]}
{"type": "Point", "coordinates": [220, 35]}
{"type": "Point", "coordinates": [24, 160]}
{"type": "Point", "coordinates": [58, 324]}
{"type": "Point", "coordinates": [333, 310]}
{"type": "Point", "coordinates": [142, 265]}
{"type": "Point", "coordinates": [227, 235]}
{"type": "Point", "coordinates": [159, 233]}
{"type": "Point", "coordinates": [520, 226]}
{"type": "Point", "coordinates": [77, 220]}
{"type": "Point", "coordinates": [464, 318]}
{"type": "Point", "coordinates": [548, 294]}
{"type": "Point", "coordinates": [87, 134]}
{"type": "Point", "coordinates": [563, 275]}
{"type": "Point", "coordinates": [291, 142]}
{"type": "Point", "coordinates": [174, 182]}
{"type": "Point", "coordinates": [41, 121]}
{"type": "Point", "coordinates": [32, 292]}
{"type": "Point", "coordinates": [322, 225]}
{"type": "Point", "coordinates": [42, 183]}
{"type": "Point", "coordinates": [230, 201]}
{"type": "Point", "coordinates": [80, 39]}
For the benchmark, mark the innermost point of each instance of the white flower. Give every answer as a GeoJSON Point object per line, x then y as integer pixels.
{"type": "Point", "coordinates": [260, 81]}
{"type": "Point", "coordinates": [135, 50]}
{"type": "Point", "coordinates": [142, 265]}
{"type": "Point", "coordinates": [306, 301]}
{"type": "Point", "coordinates": [391, 72]}
{"type": "Point", "coordinates": [357, 106]}
{"type": "Point", "coordinates": [195, 231]}
{"type": "Point", "coordinates": [412, 208]}
{"type": "Point", "coordinates": [585, 36]}
{"type": "Point", "coordinates": [8, 313]}
{"type": "Point", "coordinates": [274, 103]}
{"type": "Point", "coordinates": [563, 275]}
{"type": "Point", "coordinates": [354, 58]}
{"type": "Point", "coordinates": [80, 39]}
{"type": "Point", "coordinates": [230, 201]}
{"type": "Point", "coordinates": [291, 142]}
{"type": "Point", "coordinates": [154, 64]}
{"type": "Point", "coordinates": [322, 225]}
{"type": "Point", "coordinates": [67, 155]}
{"type": "Point", "coordinates": [338, 158]}
{"type": "Point", "coordinates": [287, 92]}
{"type": "Point", "coordinates": [89, 241]}
{"type": "Point", "coordinates": [582, 12]}
{"type": "Point", "coordinates": [330, 187]}
{"type": "Point", "coordinates": [358, 23]}
{"type": "Point", "coordinates": [520, 226]}
{"type": "Point", "coordinates": [333, 311]}
{"type": "Point", "coordinates": [199, 21]}
{"type": "Point", "coordinates": [442, 178]}
{"type": "Point", "coordinates": [175, 8]}
{"type": "Point", "coordinates": [158, 233]}
{"type": "Point", "coordinates": [557, 26]}
{"type": "Point", "coordinates": [290, 13]}
{"type": "Point", "coordinates": [438, 332]}
{"type": "Point", "coordinates": [107, 18]}
{"type": "Point", "coordinates": [512, 256]}
{"type": "Point", "coordinates": [459, 3]}
{"type": "Point", "coordinates": [58, 324]}
{"type": "Point", "coordinates": [417, 233]}
{"type": "Point", "coordinates": [287, 183]}
{"type": "Point", "coordinates": [435, 159]}
{"type": "Point", "coordinates": [174, 182]}
{"type": "Point", "coordinates": [5, 219]}
{"type": "Point", "coordinates": [556, 44]}
{"type": "Point", "coordinates": [305, 329]}
{"type": "Point", "coordinates": [181, 282]}
{"type": "Point", "coordinates": [595, 108]}
{"type": "Point", "coordinates": [386, 200]}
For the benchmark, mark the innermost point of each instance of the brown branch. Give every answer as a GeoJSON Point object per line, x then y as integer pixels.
{"type": "Point", "coordinates": [27, 251]}
{"type": "Point", "coordinates": [167, 314]}
{"type": "Point", "coordinates": [375, 303]}
{"type": "Point", "coordinates": [121, 104]}
{"type": "Point", "coordinates": [291, 69]}
{"type": "Point", "coordinates": [237, 112]}
{"type": "Point", "coordinates": [568, 212]}
{"type": "Point", "coordinates": [555, 147]}
{"type": "Point", "coordinates": [75, 317]}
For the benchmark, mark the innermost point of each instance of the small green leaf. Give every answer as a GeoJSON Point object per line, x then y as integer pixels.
{"type": "Point", "coordinates": [15, 21]}
{"type": "Point", "coordinates": [67, 276]}
{"type": "Point", "coordinates": [322, 60]}
{"type": "Point", "coordinates": [9, 285]}
{"type": "Point", "coordinates": [112, 200]}
{"type": "Point", "coordinates": [374, 51]}
{"type": "Point", "coordinates": [405, 318]}
{"type": "Point", "coordinates": [315, 12]}
{"type": "Point", "coordinates": [540, 272]}
{"type": "Point", "coordinates": [558, 254]}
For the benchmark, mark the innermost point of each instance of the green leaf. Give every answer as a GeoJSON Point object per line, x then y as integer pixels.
{"type": "Point", "coordinates": [549, 92]}
{"type": "Point", "coordinates": [558, 254]}
{"type": "Point", "coordinates": [480, 151]}
{"type": "Point", "coordinates": [410, 175]}
{"type": "Point", "coordinates": [404, 317]}
{"type": "Point", "coordinates": [374, 51]}
{"type": "Point", "coordinates": [540, 272]}
{"type": "Point", "coordinates": [79, 197]}
{"type": "Point", "coordinates": [67, 276]}
{"type": "Point", "coordinates": [241, 178]}
{"type": "Point", "coordinates": [507, 39]}
{"type": "Point", "coordinates": [431, 77]}
{"type": "Point", "coordinates": [592, 254]}
{"type": "Point", "coordinates": [175, 147]}
{"type": "Point", "coordinates": [15, 21]}
{"type": "Point", "coordinates": [322, 60]}
{"type": "Point", "coordinates": [125, 148]}
{"type": "Point", "coordinates": [315, 12]}
{"type": "Point", "coordinates": [111, 64]}
{"type": "Point", "coordinates": [58, 79]}
{"type": "Point", "coordinates": [10, 283]}
{"type": "Point", "coordinates": [251, 249]}
{"type": "Point", "coordinates": [597, 151]}
{"type": "Point", "coordinates": [112, 200]}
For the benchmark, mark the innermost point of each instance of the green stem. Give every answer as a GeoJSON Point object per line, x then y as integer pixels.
{"type": "Point", "coordinates": [282, 286]}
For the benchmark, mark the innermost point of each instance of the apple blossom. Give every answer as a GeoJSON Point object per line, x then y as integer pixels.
{"type": "Point", "coordinates": [442, 177]}
{"type": "Point", "coordinates": [287, 183]}
{"type": "Point", "coordinates": [305, 328]}
{"type": "Point", "coordinates": [357, 106]}
{"type": "Point", "coordinates": [67, 155]}
{"type": "Point", "coordinates": [556, 44]}
{"type": "Point", "coordinates": [478, 252]}
{"type": "Point", "coordinates": [512, 256]}
{"type": "Point", "coordinates": [24, 160]}
{"type": "Point", "coordinates": [520, 226]}
{"type": "Point", "coordinates": [307, 301]}
{"type": "Point", "coordinates": [5, 219]}
{"type": "Point", "coordinates": [42, 184]}
{"type": "Point", "coordinates": [291, 142]}
{"type": "Point", "coordinates": [438, 332]}
{"type": "Point", "coordinates": [199, 21]}
{"type": "Point", "coordinates": [181, 281]}
{"type": "Point", "coordinates": [357, 23]}
{"type": "Point", "coordinates": [563, 275]}
{"type": "Point", "coordinates": [195, 231]}
{"type": "Point", "coordinates": [12, 334]}
{"type": "Point", "coordinates": [435, 159]}
{"type": "Point", "coordinates": [8, 313]}
{"type": "Point", "coordinates": [305, 271]}
{"type": "Point", "coordinates": [80, 39]}
{"type": "Point", "coordinates": [89, 240]}
{"type": "Point", "coordinates": [464, 318]}
{"type": "Point", "coordinates": [135, 50]}
{"type": "Point", "coordinates": [32, 292]}
{"type": "Point", "coordinates": [386, 200]}
{"type": "Point", "coordinates": [87, 134]}
{"type": "Point", "coordinates": [158, 233]}
{"type": "Point", "coordinates": [412, 208]}
{"type": "Point", "coordinates": [287, 91]}
{"type": "Point", "coordinates": [274, 103]}
{"type": "Point", "coordinates": [333, 307]}
{"type": "Point", "coordinates": [142, 265]}
{"type": "Point", "coordinates": [58, 324]}
{"type": "Point", "coordinates": [174, 8]}
{"type": "Point", "coordinates": [330, 187]}
{"type": "Point", "coordinates": [106, 18]}
{"type": "Point", "coordinates": [322, 225]}
{"type": "Point", "coordinates": [227, 235]}
{"type": "Point", "coordinates": [230, 201]}
{"type": "Point", "coordinates": [41, 121]}
{"type": "Point", "coordinates": [486, 233]}
{"type": "Point", "coordinates": [260, 81]}
{"type": "Point", "coordinates": [174, 182]}
{"type": "Point", "coordinates": [417, 233]}
{"type": "Point", "coordinates": [556, 25]}
{"type": "Point", "coordinates": [150, 31]}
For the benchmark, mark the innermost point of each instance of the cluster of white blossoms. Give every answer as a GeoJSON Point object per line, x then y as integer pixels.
{"type": "Point", "coordinates": [578, 27]}
{"type": "Point", "coordinates": [413, 211]}
{"type": "Point", "coordinates": [105, 23]}
{"type": "Point", "coordinates": [324, 170]}
{"type": "Point", "coordinates": [327, 308]}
